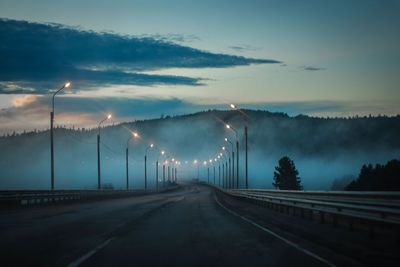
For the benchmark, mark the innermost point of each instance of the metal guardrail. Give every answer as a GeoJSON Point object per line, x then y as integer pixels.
{"type": "Point", "coordinates": [372, 208]}
{"type": "Point", "coordinates": [30, 197]}
{"type": "Point", "coordinates": [377, 199]}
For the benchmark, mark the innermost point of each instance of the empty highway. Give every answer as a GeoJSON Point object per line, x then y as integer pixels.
{"type": "Point", "coordinates": [190, 226]}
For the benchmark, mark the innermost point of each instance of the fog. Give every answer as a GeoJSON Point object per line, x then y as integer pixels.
{"type": "Point", "coordinates": [322, 149]}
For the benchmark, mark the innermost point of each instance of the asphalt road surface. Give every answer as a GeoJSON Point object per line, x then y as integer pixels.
{"type": "Point", "coordinates": [186, 227]}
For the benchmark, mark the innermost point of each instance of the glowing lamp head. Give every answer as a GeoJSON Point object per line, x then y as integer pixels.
{"type": "Point", "coordinates": [135, 135]}
{"type": "Point", "coordinates": [215, 159]}
{"type": "Point", "coordinates": [233, 106]}
{"type": "Point", "coordinates": [109, 116]}
{"type": "Point", "coordinates": [162, 152]}
{"type": "Point", "coordinates": [173, 159]}
{"type": "Point", "coordinates": [223, 148]}
{"type": "Point", "coordinates": [67, 84]}
{"type": "Point", "coordinates": [151, 145]}
{"type": "Point", "coordinates": [220, 154]}
{"type": "Point", "coordinates": [195, 161]}
{"type": "Point", "coordinates": [210, 160]}
{"type": "Point", "coordinates": [226, 139]}
{"type": "Point", "coordinates": [204, 162]}
{"type": "Point", "coordinates": [228, 126]}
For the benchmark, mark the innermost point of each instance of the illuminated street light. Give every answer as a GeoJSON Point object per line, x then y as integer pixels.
{"type": "Point", "coordinates": [132, 135]}
{"type": "Point", "coordinates": [227, 175]}
{"type": "Point", "coordinates": [98, 152]}
{"type": "Point", "coordinates": [237, 153]}
{"type": "Point", "coordinates": [145, 166]}
{"type": "Point", "coordinates": [198, 168]}
{"type": "Point", "coordinates": [52, 134]}
{"type": "Point", "coordinates": [233, 165]}
{"type": "Point", "coordinates": [245, 140]}
{"type": "Point", "coordinates": [162, 152]}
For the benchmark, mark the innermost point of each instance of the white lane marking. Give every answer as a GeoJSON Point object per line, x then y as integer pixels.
{"type": "Point", "coordinates": [90, 253]}
{"type": "Point", "coordinates": [290, 243]}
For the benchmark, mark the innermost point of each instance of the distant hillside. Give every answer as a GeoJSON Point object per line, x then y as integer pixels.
{"type": "Point", "coordinates": [321, 148]}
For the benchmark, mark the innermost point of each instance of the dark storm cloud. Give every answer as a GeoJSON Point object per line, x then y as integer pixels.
{"type": "Point", "coordinates": [34, 53]}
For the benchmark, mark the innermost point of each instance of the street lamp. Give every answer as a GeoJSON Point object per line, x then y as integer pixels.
{"type": "Point", "coordinates": [233, 163]}
{"type": "Point", "coordinates": [98, 152]}
{"type": "Point", "coordinates": [237, 154]}
{"type": "Point", "coordinates": [205, 164]}
{"type": "Point", "coordinates": [52, 134]}
{"type": "Point", "coordinates": [245, 140]}
{"type": "Point", "coordinates": [227, 158]}
{"type": "Point", "coordinates": [211, 163]}
{"type": "Point", "coordinates": [145, 166]}
{"type": "Point", "coordinates": [195, 162]}
{"type": "Point", "coordinates": [132, 135]}
{"type": "Point", "coordinates": [219, 171]}
{"type": "Point", "coordinates": [231, 184]}
{"type": "Point", "coordinates": [162, 152]}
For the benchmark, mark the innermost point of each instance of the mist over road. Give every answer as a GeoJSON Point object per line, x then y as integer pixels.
{"type": "Point", "coordinates": [187, 227]}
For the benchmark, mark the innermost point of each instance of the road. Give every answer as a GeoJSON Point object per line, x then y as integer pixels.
{"type": "Point", "coordinates": [186, 227]}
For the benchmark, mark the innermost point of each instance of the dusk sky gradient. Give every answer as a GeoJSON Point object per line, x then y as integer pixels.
{"type": "Point", "coordinates": [141, 59]}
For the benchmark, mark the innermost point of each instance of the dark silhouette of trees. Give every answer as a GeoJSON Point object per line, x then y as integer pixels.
{"type": "Point", "coordinates": [286, 176]}
{"type": "Point", "coordinates": [378, 178]}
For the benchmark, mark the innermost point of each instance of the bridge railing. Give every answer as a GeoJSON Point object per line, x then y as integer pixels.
{"type": "Point", "coordinates": [373, 208]}
{"type": "Point", "coordinates": [30, 197]}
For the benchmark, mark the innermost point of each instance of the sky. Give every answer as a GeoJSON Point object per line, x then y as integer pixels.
{"type": "Point", "coordinates": [141, 59]}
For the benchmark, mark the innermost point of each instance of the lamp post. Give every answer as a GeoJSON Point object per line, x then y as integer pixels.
{"type": "Point", "coordinates": [205, 164]}
{"type": "Point", "coordinates": [211, 161]}
{"type": "Point", "coordinates": [227, 159]}
{"type": "Point", "coordinates": [195, 162]}
{"type": "Point", "coordinates": [233, 163]}
{"type": "Point", "coordinates": [162, 152]}
{"type": "Point", "coordinates": [172, 170]}
{"type": "Point", "coordinates": [52, 134]}
{"type": "Point", "coordinates": [145, 166]}
{"type": "Point", "coordinates": [237, 154]}
{"type": "Point", "coordinates": [231, 184]}
{"type": "Point", "coordinates": [245, 140]}
{"type": "Point", "coordinates": [215, 160]}
{"type": "Point", "coordinates": [98, 152]}
{"type": "Point", "coordinates": [219, 173]}
{"type": "Point", "coordinates": [127, 156]}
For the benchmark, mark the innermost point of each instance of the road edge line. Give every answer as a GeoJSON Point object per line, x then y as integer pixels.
{"type": "Point", "coordinates": [290, 243]}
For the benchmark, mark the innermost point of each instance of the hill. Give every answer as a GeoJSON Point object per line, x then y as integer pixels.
{"type": "Point", "coordinates": [322, 148]}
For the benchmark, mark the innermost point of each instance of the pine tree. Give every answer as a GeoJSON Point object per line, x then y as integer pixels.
{"type": "Point", "coordinates": [286, 175]}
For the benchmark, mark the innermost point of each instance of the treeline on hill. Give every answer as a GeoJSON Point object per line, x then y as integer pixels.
{"type": "Point", "coordinates": [278, 133]}
{"type": "Point", "coordinates": [378, 178]}
{"type": "Point", "coordinates": [321, 147]}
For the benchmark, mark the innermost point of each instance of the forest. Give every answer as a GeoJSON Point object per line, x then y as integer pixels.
{"type": "Point", "coordinates": [324, 149]}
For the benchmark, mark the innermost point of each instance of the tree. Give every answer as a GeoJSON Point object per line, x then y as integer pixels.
{"type": "Point", "coordinates": [286, 176]}
{"type": "Point", "coordinates": [378, 178]}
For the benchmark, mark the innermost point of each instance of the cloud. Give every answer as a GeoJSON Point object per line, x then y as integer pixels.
{"type": "Point", "coordinates": [242, 48]}
{"type": "Point", "coordinates": [39, 56]}
{"type": "Point", "coordinates": [24, 100]}
{"type": "Point", "coordinates": [310, 68]}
